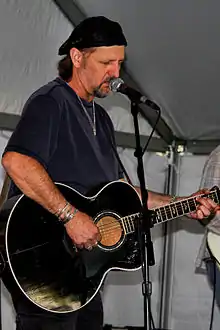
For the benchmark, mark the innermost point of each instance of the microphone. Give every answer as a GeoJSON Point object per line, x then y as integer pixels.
{"type": "Point", "coordinates": [118, 85]}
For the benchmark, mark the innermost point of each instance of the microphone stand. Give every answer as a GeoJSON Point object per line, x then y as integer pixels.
{"type": "Point", "coordinates": [144, 225]}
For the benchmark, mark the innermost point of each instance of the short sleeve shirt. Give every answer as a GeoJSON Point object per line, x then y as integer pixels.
{"type": "Point", "coordinates": [55, 131]}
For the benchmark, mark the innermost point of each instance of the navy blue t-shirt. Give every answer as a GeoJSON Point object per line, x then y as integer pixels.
{"type": "Point", "coordinates": [55, 130]}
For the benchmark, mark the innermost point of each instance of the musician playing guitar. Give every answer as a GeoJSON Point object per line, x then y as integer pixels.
{"type": "Point", "coordinates": [64, 136]}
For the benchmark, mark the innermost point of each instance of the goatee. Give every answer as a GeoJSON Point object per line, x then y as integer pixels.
{"type": "Point", "coordinates": [99, 94]}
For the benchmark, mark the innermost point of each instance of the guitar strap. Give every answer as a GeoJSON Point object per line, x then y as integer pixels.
{"type": "Point", "coordinates": [111, 141]}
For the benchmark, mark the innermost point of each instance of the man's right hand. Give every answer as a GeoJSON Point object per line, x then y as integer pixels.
{"type": "Point", "coordinates": [83, 232]}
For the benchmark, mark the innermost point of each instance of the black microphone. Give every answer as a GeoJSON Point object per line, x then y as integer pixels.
{"type": "Point", "coordinates": [118, 85]}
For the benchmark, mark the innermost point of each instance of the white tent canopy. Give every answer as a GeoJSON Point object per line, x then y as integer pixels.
{"type": "Point", "coordinates": [172, 55]}
{"type": "Point", "coordinates": [173, 58]}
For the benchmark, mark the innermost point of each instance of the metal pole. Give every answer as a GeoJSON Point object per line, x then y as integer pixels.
{"type": "Point", "coordinates": [166, 278]}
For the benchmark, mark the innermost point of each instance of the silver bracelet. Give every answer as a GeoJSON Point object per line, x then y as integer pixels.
{"type": "Point", "coordinates": [69, 216]}
{"type": "Point", "coordinates": [62, 210]}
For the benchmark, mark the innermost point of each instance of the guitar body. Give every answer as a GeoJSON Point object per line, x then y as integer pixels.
{"type": "Point", "coordinates": [48, 268]}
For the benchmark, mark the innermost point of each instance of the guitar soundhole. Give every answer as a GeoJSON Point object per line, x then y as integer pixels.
{"type": "Point", "coordinates": [110, 230]}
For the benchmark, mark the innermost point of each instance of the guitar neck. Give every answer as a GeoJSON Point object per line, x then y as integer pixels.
{"type": "Point", "coordinates": [169, 211]}
{"type": "Point", "coordinates": [181, 207]}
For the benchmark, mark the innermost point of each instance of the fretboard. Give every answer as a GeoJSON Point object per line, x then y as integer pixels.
{"type": "Point", "coordinates": [180, 208]}
{"type": "Point", "coordinates": [170, 211]}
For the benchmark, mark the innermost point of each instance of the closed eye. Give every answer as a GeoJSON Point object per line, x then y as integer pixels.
{"type": "Point", "coordinates": [106, 63]}
{"type": "Point", "coordinates": [111, 62]}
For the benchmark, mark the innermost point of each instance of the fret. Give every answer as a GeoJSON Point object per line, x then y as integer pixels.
{"type": "Point", "coordinates": [173, 210]}
{"type": "Point", "coordinates": [185, 205]}
{"type": "Point", "coordinates": [161, 215]}
{"type": "Point", "coordinates": [124, 223]}
{"type": "Point", "coordinates": [180, 209]}
{"type": "Point", "coordinates": [157, 216]}
{"type": "Point", "coordinates": [132, 222]}
{"type": "Point", "coordinates": [188, 205]}
{"type": "Point", "coordinates": [164, 214]}
{"type": "Point", "coordinates": [192, 204]}
{"type": "Point", "coordinates": [168, 211]}
{"type": "Point", "coordinates": [128, 223]}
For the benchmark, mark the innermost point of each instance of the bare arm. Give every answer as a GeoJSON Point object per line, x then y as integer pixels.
{"type": "Point", "coordinates": [155, 199]}
{"type": "Point", "coordinates": [32, 179]}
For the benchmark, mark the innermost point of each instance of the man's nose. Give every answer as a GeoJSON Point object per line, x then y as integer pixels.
{"type": "Point", "coordinates": [115, 71]}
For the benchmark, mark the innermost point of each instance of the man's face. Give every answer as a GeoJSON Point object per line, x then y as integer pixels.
{"type": "Point", "coordinates": [98, 67]}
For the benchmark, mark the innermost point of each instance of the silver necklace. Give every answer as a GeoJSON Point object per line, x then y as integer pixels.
{"type": "Point", "coordinates": [91, 122]}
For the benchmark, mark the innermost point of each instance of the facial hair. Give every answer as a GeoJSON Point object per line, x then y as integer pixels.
{"type": "Point", "coordinates": [98, 92]}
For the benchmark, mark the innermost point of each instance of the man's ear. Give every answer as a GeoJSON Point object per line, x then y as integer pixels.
{"type": "Point", "coordinates": [76, 57]}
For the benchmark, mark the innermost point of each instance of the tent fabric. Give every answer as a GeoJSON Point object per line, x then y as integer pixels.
{"type": "Point", "coordinates": [31, 34]}
{"type": "Point", "coordinates": [173, 55]}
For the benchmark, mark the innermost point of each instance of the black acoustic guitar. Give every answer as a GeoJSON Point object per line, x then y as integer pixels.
{"type": "Point", "coordinates": [46, 265]}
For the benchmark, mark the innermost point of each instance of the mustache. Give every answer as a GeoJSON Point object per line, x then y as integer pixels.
{"type": "Point", "coordinates": [96, 91]}
{"type": "Point", "coordinates": [107, 80]}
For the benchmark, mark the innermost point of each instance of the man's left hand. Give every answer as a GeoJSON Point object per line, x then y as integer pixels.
{"type": "Point", "coordinates": [205, 206]}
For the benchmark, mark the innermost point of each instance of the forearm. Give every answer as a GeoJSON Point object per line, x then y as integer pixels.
{"type": "Point", "coordinates": [32, 179]}
{"type": "Point", "coordinates": [155, 199]}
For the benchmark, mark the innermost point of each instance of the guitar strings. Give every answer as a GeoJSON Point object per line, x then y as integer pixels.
{"type": "Point", "coordinates": [111, 226]}
{"type": "Point", "coordinates": [166, 210]}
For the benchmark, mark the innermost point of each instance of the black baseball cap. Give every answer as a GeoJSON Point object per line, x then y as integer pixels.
{"type": "Point", "coordinates": [95, 31]}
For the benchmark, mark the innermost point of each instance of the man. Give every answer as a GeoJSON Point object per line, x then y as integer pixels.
{"type": "Point", "coordinates": [210, 178]}
{"type": "Point", "coordinates": [64, 136]}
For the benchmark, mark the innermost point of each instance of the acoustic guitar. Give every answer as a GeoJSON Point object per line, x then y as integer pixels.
{"type": "Point", "coordinates": [46, 265]}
